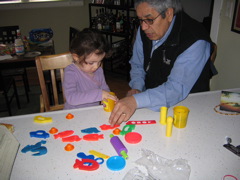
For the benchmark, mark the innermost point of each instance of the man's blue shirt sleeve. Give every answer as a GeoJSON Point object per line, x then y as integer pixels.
{"type": "Point", "coordinates": [137, 72]}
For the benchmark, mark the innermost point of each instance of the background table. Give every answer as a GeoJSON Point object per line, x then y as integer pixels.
{"type": "Point", "coordinates": [17, 62]}
{"type": "Point", "coordinates": [26, 60]}
{"type": "Point", "coordinates": [201, 142]}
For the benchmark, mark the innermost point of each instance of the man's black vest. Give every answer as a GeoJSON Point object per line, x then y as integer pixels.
{"type": "Point", "coordinates": [185, 32]}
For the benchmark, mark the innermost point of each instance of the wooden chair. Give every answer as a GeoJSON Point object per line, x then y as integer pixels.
{"type": "Point", "coordinates": [8, 90]}
{"type": "Point", "coordinates": [7, 36]}
{"type": "Point", "coordinates": [53, 64]}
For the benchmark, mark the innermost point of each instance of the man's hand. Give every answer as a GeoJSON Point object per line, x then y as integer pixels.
{"type": "Point", "coordinates": [123, 110]}
{"type": "Point", "coordinates": [132, 92]}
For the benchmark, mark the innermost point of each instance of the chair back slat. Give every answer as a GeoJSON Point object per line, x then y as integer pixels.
{"type": "Point", "coordinates": [54, 86]}
{"type": "Point", "coordinates": [54, 64]}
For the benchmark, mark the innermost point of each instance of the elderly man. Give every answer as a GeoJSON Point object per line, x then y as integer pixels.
{"type": "Point", "coordinates": [171, 58]}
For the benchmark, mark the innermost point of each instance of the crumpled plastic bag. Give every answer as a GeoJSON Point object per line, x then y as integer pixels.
{"type": "Point", "coordinates": [159, 168]}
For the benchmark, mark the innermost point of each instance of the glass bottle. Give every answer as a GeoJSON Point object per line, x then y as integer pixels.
{"type": "Point", "coordinates": [19, 45]}
{"type": "Point", "coordinates": [118, 22]}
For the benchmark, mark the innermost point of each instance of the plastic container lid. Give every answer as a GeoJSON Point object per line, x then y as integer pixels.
{"type": "Point", "coordinates": [116, 163]}
{"type": "Point", "coordinates": [133, 137]}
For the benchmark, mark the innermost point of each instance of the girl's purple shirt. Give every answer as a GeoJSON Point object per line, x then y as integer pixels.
{"type": "Point", "coordinates": [80, 89]}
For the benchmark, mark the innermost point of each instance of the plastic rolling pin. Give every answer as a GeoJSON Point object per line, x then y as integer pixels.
{"type": "Point", "coordinates": [119, 146]}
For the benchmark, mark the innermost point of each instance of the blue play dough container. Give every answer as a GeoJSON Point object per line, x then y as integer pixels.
{"type": "Point", "coordinates": [116, 163]}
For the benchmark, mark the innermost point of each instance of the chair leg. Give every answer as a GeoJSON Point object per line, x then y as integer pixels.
{"type": "Point", "coordinates": [26, 79]}
{"type": "Point", "coordinates": [8, 105]}
{"type": "Point", "coordinates": [26, 86]}
{"type": "Point", "coordinates": [16, 95]}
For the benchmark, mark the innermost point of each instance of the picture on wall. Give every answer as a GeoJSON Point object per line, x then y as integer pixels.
{"type": "Point", "coordinates": [236, 17]}
{"type": "Point", "coordinates": [230, 101]}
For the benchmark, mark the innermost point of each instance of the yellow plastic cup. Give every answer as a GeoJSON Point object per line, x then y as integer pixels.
{"type": "Point", "coordinates": [180, 116]}
{"type": "Point", "coordinates": [109, 104]}
{"type": "Point", "coordinates": [163, 115]}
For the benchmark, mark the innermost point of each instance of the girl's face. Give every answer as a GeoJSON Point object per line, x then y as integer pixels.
{"type": "Point", "coordinates": [91, 63]}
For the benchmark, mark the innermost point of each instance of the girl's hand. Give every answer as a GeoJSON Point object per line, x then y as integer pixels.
{"type": "Point", "coordinates": [106, 95]}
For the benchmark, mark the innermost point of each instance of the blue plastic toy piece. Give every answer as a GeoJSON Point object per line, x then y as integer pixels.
{"type": "Point", "coordinates": [82, 155]}
{"type": "Point", "coordinates": [41, 151]}
{"type": "Point", "coordinates": [39, 134]}
{"type": "Point", "coordinates": [36, 148]}
{"type": "Point", "coordinates": [31, 147]}
{"type": "Point", "coordinates": [99, 160]}
{"type": "Point", "coordinates": [116, 163]}
{"type": "Point", "coordinates": [90, 130]}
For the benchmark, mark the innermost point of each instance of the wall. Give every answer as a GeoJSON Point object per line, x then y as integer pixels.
{"type": "Point", "coordinates": [198, 9]}
{"type": "Point", "coordinates": [61, 18]}
{"type": "Point", "coordinates": [58, 18]}
{"type": "Point", "coordinates": [228, 57]}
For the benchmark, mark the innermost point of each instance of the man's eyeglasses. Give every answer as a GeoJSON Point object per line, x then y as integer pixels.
{"type": "Point", "coordinates": [148, 21]}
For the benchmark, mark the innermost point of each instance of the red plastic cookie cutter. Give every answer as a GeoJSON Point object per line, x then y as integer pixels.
{"type": "Point", "coordinates": [63, 134]}
{"type": "Point", "coordinates": [93, 137]}
{"type": "Point", "coordinates": [141, 122]}
{"type": "Point", "coordinates": [74, 138]}
{"type": "Point", "coordinates": [86, 164]}
{"type": "Point", "coordinates": [108, 127]}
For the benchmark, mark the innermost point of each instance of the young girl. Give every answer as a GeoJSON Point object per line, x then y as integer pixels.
{"type": "Point", "coordinates": [84, 82]}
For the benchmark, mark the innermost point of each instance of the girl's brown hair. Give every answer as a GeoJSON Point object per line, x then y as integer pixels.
{"type": "Point", "coordinates": [89, 41]}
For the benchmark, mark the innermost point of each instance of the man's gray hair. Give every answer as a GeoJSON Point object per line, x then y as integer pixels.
{"type": "Point", "coordinates": [162, 5]}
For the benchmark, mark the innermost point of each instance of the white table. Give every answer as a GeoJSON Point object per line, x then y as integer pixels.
{"type": "Point", "coordinates": [201, 142]}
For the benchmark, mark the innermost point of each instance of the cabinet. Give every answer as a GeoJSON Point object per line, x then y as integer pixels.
{"type": "Point", "coordinates": [117, 21]}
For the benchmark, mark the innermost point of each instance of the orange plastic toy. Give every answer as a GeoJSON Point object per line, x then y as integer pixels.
{"type": "Point", "coordinates": [69, 147]}
{"type": "Point", "coordinates": [69, 116]}
{"type": "Point", "coordinates": [53, 130]}
{"type": "Point", "coordinates": [116, 131]}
